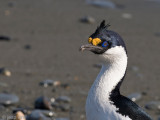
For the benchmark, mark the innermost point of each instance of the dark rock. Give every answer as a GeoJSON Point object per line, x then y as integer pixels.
{"type": "Point", "coordinates": [43, 103]}
{"type": "Point", "coordinates": [65, 86]}
{"type": "Point", "coordinates": [47, 113]}
{"type": "Point", "coordinates": [27, 47]}
{"type": "Point", "coordinates": [55, 105]}
{"type": "Point", "coordinates": [60, 106]}
{"type": "Point", "coordinates": [64, 107]}
{"type": "Point", "coordinates": [135, 96]}
{"type": "Point", "coordinates": [153, 105]}
{"type": "Point", "coordinates": [4, 38]}
{"type": "Point", "coordinates": [64, 99]}
{"type": "Point", "coordinates": [8, 99]}
{"type": "Point", "coordinates": [87, 19]}
{"type": "Point", "coordinates": [37, 115]}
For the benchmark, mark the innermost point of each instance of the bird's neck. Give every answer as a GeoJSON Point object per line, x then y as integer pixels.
{"type": "Point", "coordinates": [110, 77]}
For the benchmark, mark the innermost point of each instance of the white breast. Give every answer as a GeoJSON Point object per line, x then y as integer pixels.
{"type": "Point", "coordinates": [98, 105]}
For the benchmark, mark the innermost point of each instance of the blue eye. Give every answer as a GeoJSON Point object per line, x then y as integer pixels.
{"type": "Point", "coordinates": [104, 44]}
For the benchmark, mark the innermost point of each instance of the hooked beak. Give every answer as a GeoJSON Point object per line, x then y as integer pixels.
{"type": "Point", "coordinates": [90, 47]}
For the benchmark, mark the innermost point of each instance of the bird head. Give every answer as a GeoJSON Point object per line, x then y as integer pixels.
{"type": "Point", "coordinates": [106, 43]}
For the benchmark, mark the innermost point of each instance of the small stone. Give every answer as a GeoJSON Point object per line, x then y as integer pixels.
{"type": "Point", "coordinates": [43, 103]}
{"type": "Point", "coordinates": [37, 115]}
{"type": "Point", "coordinates": [64, 107]}
{"type": "Point", "coordinates": [27, 47]}
{"type": "Point", "coordinates": [11, 4]}
{"type": "Point", "coordinates": [65, 86]}
{"type": "Point", "coordinates": [55, 105]}
{"type": "Point", "coordinates": [126, 15]}
{"type": "Point", "coordinates": [48, 113]}
{"type": "Point", "coordinates": [88, 19]}
{"type": "Point", "coordinates": [47, 83]}
{"type": "Point", "coordinates": [135, 96]}
{"type": "Point", "coordinates": [8, 99]}
{"type": "Point", "coordinates": [153, 105]}
{"type": "Point", "coordinates": [64, 99]}
{"type": "Point", "coordinates": [4, 38]}
{"type": "Point", "coordinates": [23, 110]}
{"type": "Point", "coordinates": [5, 72]}
{"type": "Point", "coordinates": [20, 116]}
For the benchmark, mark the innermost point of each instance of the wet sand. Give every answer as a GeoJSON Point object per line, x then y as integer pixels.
{"type": "Point", "coordinates": [54, 32]}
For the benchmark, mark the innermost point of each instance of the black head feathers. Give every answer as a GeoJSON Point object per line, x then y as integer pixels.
{"type": "Point", "coordinates": [101, 28]}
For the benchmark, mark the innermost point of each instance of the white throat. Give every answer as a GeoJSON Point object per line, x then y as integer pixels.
{"type": "Point", "coordinates": [98, 105]}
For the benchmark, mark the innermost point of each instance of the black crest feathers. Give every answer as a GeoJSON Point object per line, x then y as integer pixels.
{"type": "Point", "coordinates": [102, 27]}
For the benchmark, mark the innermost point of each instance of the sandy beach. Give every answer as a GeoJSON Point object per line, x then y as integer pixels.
{"type": "Point", "coordinates": [45, 36]}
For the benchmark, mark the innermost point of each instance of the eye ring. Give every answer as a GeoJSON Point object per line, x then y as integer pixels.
{"type": "Point", "coordinates": [105, 44]}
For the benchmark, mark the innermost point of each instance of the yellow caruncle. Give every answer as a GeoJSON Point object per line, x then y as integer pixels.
{"type": "Point", "coordinates": [94, 41]}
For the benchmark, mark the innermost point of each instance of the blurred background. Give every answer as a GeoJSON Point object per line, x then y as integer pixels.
{"type": "Point", "coordinates": [41, 66]}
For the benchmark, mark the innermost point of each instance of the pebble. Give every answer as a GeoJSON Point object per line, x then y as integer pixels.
{"type": "Point", "coordinates": [60, 106]}
{"type": "Point", "coordinates": [20, 116]}
{"type": "Point", "coordinates": [47, 83]}
{"type": "Point", "coordinates": [37, 115]}
{"type": "Point", "coordinates": [88, 19]}
{"type": "Point", "coordinates": [5, 72]}
{"type": "Point", "coordinates": [64, 107]}
{"type": "Point", "coordinates": [135, 96]}
{"type": "Point", "coordinates": [126, 15]}
{"type": "Point", "coordinates": [4, 38]}
{"type": "Point", "coordinates": [43, 103]}
{"type": "Point", "coordinates": [8, 99]}
{"type": "Point", "coordinates": [153, 105]}
{"type": "Point", "coordinates": [102, 3]}
{"type": "Point", "coordinates": [65, 86]}
{"type": "Point", "coordinates": [48, 113]}
{"type": "Point", "coordinates": [27, 47]}
{"type": "Point", "coordinates": [11, 4]}
{"type": "Point", "coordinates": [64, 99]}
{"type": "Point", "coordinates": [25, 111]}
